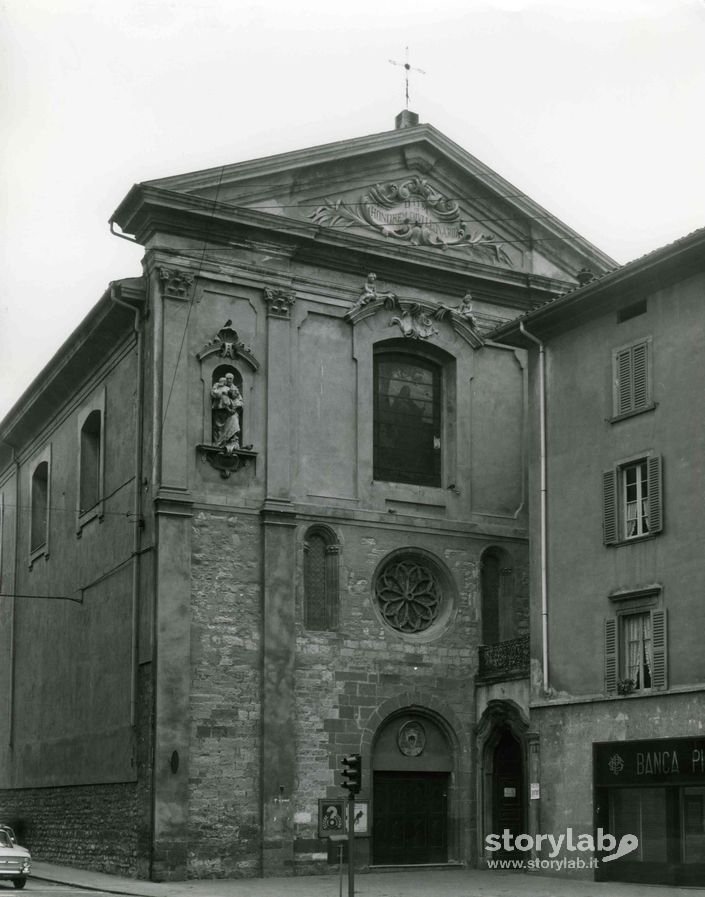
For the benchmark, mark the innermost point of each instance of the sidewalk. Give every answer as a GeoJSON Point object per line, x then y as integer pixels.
{"type": "Point", "coordinates": [407, 883]}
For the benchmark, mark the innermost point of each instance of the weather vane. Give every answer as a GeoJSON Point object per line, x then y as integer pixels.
{"type": "Point", "coordinates": [407, 68]}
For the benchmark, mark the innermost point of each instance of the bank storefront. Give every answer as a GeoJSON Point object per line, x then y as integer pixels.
{"type": "Point", "coordinates": [655, 790]}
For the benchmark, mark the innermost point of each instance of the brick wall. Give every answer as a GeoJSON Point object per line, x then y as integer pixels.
{"type": "Point", "coordinates": [89, 826]}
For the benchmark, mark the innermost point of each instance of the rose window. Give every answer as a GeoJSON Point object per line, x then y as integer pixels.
{"type": "Point", "coordinates": [409, 595]}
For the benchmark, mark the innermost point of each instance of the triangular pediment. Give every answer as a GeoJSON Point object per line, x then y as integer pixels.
{"type": "Point", "coordinates": [411, 189]}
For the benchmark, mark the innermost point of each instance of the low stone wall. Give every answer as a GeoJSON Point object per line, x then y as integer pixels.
{"type": "Point", "coordinates": [90, 826]}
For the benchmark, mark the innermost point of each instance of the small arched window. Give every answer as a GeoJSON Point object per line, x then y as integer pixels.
{"type": "Point", "coordinates": [40, 506]}
{"type": "Point", "coordinates": [498, 622]}
{"type": "Point", "coordinates": [407, 419]}
{"type": "Point", "coordinates": [89, 485]}
{"type": "Point", "coordinates": [321, 550]}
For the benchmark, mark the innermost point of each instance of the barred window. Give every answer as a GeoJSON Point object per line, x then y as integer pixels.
{"type": "Point", "coordinates": [321, 587]}
{"type": "Point", "coordinates": [407, 419]}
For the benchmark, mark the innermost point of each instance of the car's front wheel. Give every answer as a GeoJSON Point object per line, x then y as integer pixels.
{"type": "Point", "coordinates": [19, 883]}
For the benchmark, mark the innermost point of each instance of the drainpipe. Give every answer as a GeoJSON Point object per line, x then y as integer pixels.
{"type": "Point", "coordinates": [136, 551]}
{"type": "Point", "coordinates": [543, 503]}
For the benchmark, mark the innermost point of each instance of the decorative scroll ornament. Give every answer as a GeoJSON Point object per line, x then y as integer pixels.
{"type": "Point", "coordinates": [408, 595]}
{"type": "Point", "coordinates": [175, 284]}
{"type": "Point", "coordinates": [411, 739]}
{"type": "Point", "coordinates": [415, 212]}
{"type": "Point", "coordinates": [279, 302]}
{"type": "Point", "coordinates": [413, 321]}
{"type": "Point", "coordinates": [227, 344]}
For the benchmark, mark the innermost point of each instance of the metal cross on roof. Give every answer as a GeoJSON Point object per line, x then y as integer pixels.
{"type": "Point", "coordinates": [407, 68]}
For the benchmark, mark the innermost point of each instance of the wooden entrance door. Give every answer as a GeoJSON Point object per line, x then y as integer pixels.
{"type": "Point", "coordinates": [508, 786]}
{"type": "Point", "coordinates": [410, 818]}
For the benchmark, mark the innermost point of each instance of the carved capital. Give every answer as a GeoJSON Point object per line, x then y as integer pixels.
{"type": "Point", "coordinates": [279, 302]}
{"type": "Point", "coordinates": [175, 284]}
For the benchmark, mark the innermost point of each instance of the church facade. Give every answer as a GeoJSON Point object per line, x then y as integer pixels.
{"type": "Point", "coordinates": [267, 507]}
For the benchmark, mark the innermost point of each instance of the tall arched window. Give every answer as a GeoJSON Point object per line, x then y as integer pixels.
{"type": "Point", "coordinates": [498, 623]}
{"type": "Point", "coordinates": [407, 419]}
{"type": "Point", "coordinates": [321, 551]}
{"type": "Point", "coordinates": [40, 506]}
{"type": "Point", "coordinates": [89, 485]}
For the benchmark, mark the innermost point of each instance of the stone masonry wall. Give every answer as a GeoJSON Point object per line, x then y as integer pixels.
{"type": "Point", "coordinates": [89, 826]}
{"type": "Point", "coordinates": [345, 677]}
{"type": "Point", "coordinates": [224, 806]}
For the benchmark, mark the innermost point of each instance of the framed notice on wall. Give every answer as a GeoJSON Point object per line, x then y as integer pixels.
{"type": "Point", "coordinates": [332, 817]}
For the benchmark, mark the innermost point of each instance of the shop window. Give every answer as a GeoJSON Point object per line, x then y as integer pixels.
{"type": "Point", "coordinates": [40, 507]}
{"type": "Point", "coordinates": [90, 458]}
{"type": "Point", "coordinates": [321, 550]}
{"type": "Point", "coordinates": [632, 379]}
{"type": "Point", "coordinates": [407, 419]}
{"type": "Point", "coordinates": [632, 500]}
{"type": "Point", "coordinates": [635, 652]}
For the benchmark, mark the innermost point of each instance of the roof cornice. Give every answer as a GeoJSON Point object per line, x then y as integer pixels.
{"type": "Point", "coordinates": [675, 261]}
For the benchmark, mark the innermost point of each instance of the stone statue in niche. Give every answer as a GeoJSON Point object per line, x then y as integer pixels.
{"type": "Point", "coordinates": [226, 402]}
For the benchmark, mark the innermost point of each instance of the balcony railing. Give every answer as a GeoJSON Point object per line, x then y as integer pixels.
{"type": "Point", "coordinates": [505, 660]}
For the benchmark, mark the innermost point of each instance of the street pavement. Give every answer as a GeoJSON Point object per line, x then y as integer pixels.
{"type": "Point", "coordinates": [416, 882]}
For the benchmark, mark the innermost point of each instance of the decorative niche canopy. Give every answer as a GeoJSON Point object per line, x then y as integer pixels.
{"type": "Point", "coordinates": [225, 404]}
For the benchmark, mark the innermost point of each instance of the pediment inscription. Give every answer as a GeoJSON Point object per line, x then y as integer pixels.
{"type": "Point", "coordinates": [412, 211]}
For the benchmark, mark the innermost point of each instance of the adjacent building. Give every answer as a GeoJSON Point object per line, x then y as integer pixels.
{"type": "Point", "coordinates": [617, 612]}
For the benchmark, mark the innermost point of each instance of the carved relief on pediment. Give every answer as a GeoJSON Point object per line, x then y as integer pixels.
{"type": "Point", "coordinates": [413, 211]}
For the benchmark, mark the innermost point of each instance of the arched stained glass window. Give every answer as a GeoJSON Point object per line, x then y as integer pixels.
{"type": "Point", "coordinates": [407, 419]}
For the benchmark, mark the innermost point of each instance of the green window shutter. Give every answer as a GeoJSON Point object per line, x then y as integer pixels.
{"type": "Point", "coordinates": [609, 507]}
{"type": "Point", "coordinates": [610, 656]}
{"type": "Point", "coordinates": [624, 400]}
{"type": "Point", "coordinates": [655, 494]}
{"type": "Point", "coordinates": [659, 669]}
{"type": "Point", "coordinates": [640, 375]}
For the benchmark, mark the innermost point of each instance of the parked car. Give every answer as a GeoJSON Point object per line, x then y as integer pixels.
{"type": "Point", "coordinates": [14, 860]}
{"type": "Point", "coordinates": [10, 832]}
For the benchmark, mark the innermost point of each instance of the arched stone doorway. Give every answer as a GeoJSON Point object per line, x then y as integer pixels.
{"type": "Point", "coordinates": [503, 742]}
{"type": "Point", "coordinates": [414, 791]}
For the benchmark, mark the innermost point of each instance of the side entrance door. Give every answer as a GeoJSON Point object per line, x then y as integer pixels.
{"type": "Point", "coordinates": [508, 787]}
{"type": "Point", "coordinates": [410, 818]}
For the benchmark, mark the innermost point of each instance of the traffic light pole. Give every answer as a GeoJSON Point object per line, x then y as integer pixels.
{"type": "Point", "coordinates": [351, 844]}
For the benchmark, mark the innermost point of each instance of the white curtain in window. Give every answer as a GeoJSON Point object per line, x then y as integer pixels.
{"type": "Point", "coordinates": [632, 642]}
{"type": "Point", "coordinates": [648, 658]}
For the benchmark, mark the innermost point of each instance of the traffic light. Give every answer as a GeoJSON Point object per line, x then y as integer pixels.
{"type": "Point", "coordinates": [352, 773]}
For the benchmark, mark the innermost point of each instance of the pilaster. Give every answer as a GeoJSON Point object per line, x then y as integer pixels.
{"type": "Point", "coordinates": [279, 563]}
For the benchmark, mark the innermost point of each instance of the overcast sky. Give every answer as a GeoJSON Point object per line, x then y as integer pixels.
{"type": "Point", "coordinates": [593, 108]}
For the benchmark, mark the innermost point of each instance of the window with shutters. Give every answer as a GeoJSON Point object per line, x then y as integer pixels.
{"type": "Point", "coordinates": [635, 651]}
{"type": "Point", "coordinates": [632, 500]}
{"type": "Point", "coordinates": [632, 379]}
{"type": "Point", "coordinates": [321, 550]}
